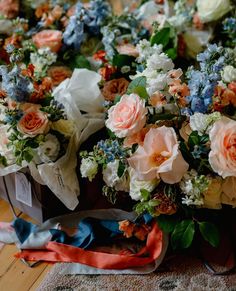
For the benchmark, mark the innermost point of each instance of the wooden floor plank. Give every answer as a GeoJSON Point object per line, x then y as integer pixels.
{"type": "Point", "coordinates": [40, 278]}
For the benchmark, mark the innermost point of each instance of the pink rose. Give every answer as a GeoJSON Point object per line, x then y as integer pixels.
{"type": "Point", "coordinates": [48, 38]}
{"type": "Point", "coordinates": [33, 123]}
{"type": "Point", "coordinates": [128, 116]}
{"type": "Point", "coordinates": [9, 8]}
{"type": "Point", "coordinates": [159, 157]}
{"type": "Point", "coordinates": [222, 156]}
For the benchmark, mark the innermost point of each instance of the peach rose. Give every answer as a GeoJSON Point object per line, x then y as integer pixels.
{"type": "Point", "coordinates": [48, 38]}
{"type": "Point", "coordinates": [128, 116]}
{"type": "Point", "coordinates": [114, 87]}
{"type": "Point", "coordinates": [229, 191]}
{"type": "Point", "coordinates": [222, 156]}
{"type": "Point", "coordinates": [59, 74]}
{"type": "Point", "coordinates": [9, 8]}
{"type": "Point", "coordinates": [159, 157]}
{"type": "Point", "coordinates": [127, 49]}
{"type": "Point", "coordinates": [27, 107]}
{"type": "Point", "coordinates": [33, 123]}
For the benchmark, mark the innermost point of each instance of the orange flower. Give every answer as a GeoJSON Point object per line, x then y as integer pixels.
{"type": "Point", "coordinates": [33, 123]}
{"type": "Point", "coordinates": [29, 72]}
{"type": "Point", "coordinates": [127, 227]}
{"type": "Point", "coordinates": [100, 56]}
{"type": "Point", "coordinates": [107, 71]}
{"type": "Point", "coordinates": [42, 10]}
{"type": "Point", "coordinates": [224, 96]}
{"type": "Point", "coordinates": [138, 137]}
{"type": "Point", "coordinates": [59, 74]}
{"type": "Point", "coordinates": [114, 87]}
{"type": "Point", "coordinates": [232, 86]}
{"type": "Point", "coordinates": [180, 91]}
{"type": "Point", "coordinates": [157, 99]}
{"type": "Point", "coordinates": [40, 89]}
{"type": "Point", "coordinates": [13, 39]}
{"type": "Point", "coordinates": [48, 38]}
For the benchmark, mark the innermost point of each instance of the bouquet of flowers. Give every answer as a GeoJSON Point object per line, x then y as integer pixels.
{"type": "Point", "coordinates": [171, 140]}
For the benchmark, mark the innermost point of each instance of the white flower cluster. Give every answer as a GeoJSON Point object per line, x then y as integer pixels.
{"type": "Point", "coordinates": [202, 123]}
{"type": "Point", "coordinates": [193, 186]}
{"type": "Point", "coordinates": [158, 67]}
{"type": "Point", "coordinates": [41, 60]}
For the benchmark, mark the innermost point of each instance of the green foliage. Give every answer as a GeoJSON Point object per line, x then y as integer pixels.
{"type": "Point", "coordinates": [3, 161]}
{"type": "Point", "coordinates": [210, 233]}
{"type": "Point", "coordinates": [167, 222]}
{"type": "Point", "coordinates": [138, 86]}
{"type": "Point", "coordinates": [122, 60]}
{"type": "Point", "coordinates": [121, 169]}
{"type": "Point", "coordinates": [183, 233]}
{"type": "Point", "coordinates": [147, 204]}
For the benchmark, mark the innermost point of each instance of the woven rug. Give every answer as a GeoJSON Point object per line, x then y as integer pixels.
{"type": "Point", "coordinates": [177, 273]}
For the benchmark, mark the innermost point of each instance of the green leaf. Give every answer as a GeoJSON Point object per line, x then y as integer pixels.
{"type": "Point", "coordinates": [204, 138]}
{"type": "Point", "coordinates": [81, 62]}
{"type": "Point", "coordinates": [145, 194]}
{"type": "Point", "coordinates": [193, 139]}
{"type": "Point", "coordinates": [167, 222]}
{"type": "Point", "coordinates": [138, 86]}
{"type": "Point", "coordinates": [153, 202]}
{"type": "Point", "coordinates": [210, 233]}
{"type": "Point", "coordinates": [171, 53]}
{"type": "Point", "coordinates": [141, 92]}
{"type": "Point", "coordinates": [121, 169]}
{"type": "Point", "coordinates": [137, 82]}
{"type": "Point", "coordinates": [183, 234]}
{"type": "Point", "coordinates": [161, 37]}
{"type": "Point", "coordinates": [122, 60]}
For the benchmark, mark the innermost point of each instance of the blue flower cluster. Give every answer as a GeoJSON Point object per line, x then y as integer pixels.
{"type": "Point", "coordinates": [16, 86]}
{"type": "Point", "coordinates": [111, 150]}
{"type": "Point", "coordinates": [85, 21]}
{"type": "Point", "coordinates": [203, 82]}
{"type": "Point", "coordinates": [229, 25]}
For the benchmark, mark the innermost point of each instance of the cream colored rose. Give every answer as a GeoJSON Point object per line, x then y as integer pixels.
{"type": "Point", "coordinates": [137, 185]}
{"type": "Point", "coordinates": [229, 74]}
{"type": "Point", "coordinates": [211, 10]}
{"type": "Point", "coordinates": [65, 127]}
{"type": "Point", "coordinates": [222, 156]}
{"type": "Point", "coordinates": [88, 168]}
{"type": "Point", "coordinates": [229, 191]}
{"type": "Point", "coordinates": [212, 196]}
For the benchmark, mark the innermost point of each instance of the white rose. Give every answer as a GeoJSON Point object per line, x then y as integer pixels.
{"type": "Point", "coordinates": [229, 74]}
{"type": "Point", "coordinates": [88, 168]}
{"type": "Point", "coordinates": [136, 185]}
{"type": "Point", "coordinates": [48, 151]}
{"type": "Point", "coordinates": [196, 40]}
{"type": "Point", "coordinates": [65, 127]}
{"type": "Point", "coordinates": [112, 179]}
{"type": "Point", "coordinates": [211, 10]}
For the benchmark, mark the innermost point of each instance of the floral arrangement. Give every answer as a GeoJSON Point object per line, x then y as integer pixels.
{"type": "Point", "coordinates": [161, 77]}
{"type": "Point", "coordinates": [171, 140]}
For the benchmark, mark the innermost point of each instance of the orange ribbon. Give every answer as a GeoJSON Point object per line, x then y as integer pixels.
{"type": "Point", "coordinates": [57, 252]}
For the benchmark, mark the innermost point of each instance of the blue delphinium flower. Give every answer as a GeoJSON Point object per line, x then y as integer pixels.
{"type": "Point", "coordinates": [202, 82]}
{"type": "Point", "coordinates": [16, 86]}
{"type": "Point", "coordinates": [85, 21]}
{"type": "Point", "coordinates": [229, 25]}
{"type": "Point", "coordinates": [111, 150]}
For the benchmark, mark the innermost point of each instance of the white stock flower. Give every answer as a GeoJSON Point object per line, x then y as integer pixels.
{"type": "Point", "coordinates": [229, 74]}
{"type": "Point", "coordinates": [111, 178]}
{"type": "Point", "coordinates": [137, 185]}
{"type": "Point", "coordinates": [212, 10]}
{"type": "Point", "coordinates": [145, 50]}
{"type": "Point", "coordinates": [88, 168]}
{"type": "Point", "coordinates": [48, 150]}
{"type": "Point", "coordinates": [202, 123]}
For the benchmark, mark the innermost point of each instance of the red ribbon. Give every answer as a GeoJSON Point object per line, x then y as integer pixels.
{"type": "Point", "coordinates": [57, 252]}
